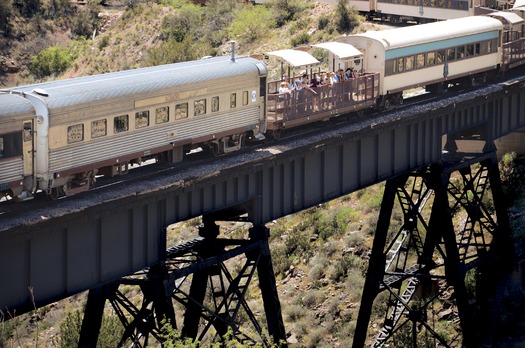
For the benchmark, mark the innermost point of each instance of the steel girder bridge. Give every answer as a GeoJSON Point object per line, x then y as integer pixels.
{"type": "Point", "coordinates": [437, 159]}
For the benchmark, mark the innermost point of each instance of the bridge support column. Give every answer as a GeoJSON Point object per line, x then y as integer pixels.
{"type": "Point", "coordinates": [93, 315]}
{"type": "Point", "coordinates": [196, 274]}
{"type": "Point", "coordinates": [268, 285]}
{"type": "Point", "coordinates": [376, 265]}
{"type": "Point", "coordinates": [415, 269]}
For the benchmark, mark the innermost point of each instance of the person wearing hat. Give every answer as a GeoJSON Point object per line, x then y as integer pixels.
{"type": "Point", "coordinates": [285, 88]}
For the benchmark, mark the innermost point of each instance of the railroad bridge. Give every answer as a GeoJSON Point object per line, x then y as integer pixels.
{"type": "Point", "coordinates": [100, 241]}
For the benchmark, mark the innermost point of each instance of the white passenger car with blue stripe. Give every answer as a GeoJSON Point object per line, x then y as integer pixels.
{"type": "Point", "coordinates": [430, 53]}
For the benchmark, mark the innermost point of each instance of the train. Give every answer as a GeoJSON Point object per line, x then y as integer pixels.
{"type": "Point", "coordinates": [57, 137]}
{"type": "Point", "coordinates": [419, 11]}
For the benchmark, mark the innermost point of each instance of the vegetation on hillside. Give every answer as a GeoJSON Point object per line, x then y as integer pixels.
{"type": "Point", "coordinates": [54, 39]}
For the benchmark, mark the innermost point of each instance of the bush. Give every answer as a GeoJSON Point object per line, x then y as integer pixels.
{"type": "Point", "coordinates": [111, 331]}
{"type": "Point", "coordinates": [286, 10]}
{"type": "Point", "coordinates": [6, 12]}
{"type": "Point", "coordinates": [184, 23]}
{"type": "Point", "coordinates": [51, 61]}
{"type": "Point", "coordinates": [512, 173]}
{"type": "Point", "coordinates": [104, 42]}
{"type": "Point", "coordinates": [27, 8]}
{"type": "Point", "coordinates": [300, 39]}
{"type": "Point", "coordinates": [173, 51]}
{"type": "Point", "coordinates": [83, 25]}
{"type": "Point", "coordinates": [58, 8]}
{"type": "Point", "coordinates": [251, 23]}
{"type": "Point", "coordinates": [345, 20]}
{"type": "Point", "coordinates": [323, 22]}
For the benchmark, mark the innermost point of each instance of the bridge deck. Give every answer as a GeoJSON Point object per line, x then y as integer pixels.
{"type": "Point", "coordinates": [79, 243]}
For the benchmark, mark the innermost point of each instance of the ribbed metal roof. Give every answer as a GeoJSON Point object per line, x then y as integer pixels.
{"type": "Point", "coordinates": [85, 90]}
{"type": "Point", "coordinates": [431, 32]}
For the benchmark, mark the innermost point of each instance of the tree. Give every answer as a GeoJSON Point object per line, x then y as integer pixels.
{"type": "Point", "coordinates": [345, 20]}
{"type": "Point", "coordinates": [6, 10]}
{"type": "Point", "coordinates": [27, 8]}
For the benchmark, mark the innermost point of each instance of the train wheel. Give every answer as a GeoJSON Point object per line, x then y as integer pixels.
{"type": "Point", "coordinates": [214, 150]}
{"type": "Point", "coordinates": [55, 193]}
{"type": "Point", "coordinates": [276, 134]}
{"type": "Point", "coordinates": [386, 104]}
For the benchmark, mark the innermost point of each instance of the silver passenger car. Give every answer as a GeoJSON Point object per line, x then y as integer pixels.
{"type": "Point", "coordinates": [102, 123]}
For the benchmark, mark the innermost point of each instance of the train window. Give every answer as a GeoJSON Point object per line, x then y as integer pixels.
{"type": "Point", "coordinates": [181, 111]}
{"type": "Point", "coordinates": [245, 98]}
{"type": "Point", "coordinates": [121, 123]}
{"type": "Point", "coordinates": [11, 145]}
{"type": "Point", "coordinates": [477, 49]}
{"type": "Point", "coordinates": [214, 104]}
{"type": "Point", "coordinates": [389, 67]}
{"type": "Point", "coordinates": [142, 119]}
{"type": "Point", "coordinates": [491, 46]}
{"type": "Point", "coordinates": [98, 128]}
{"type": "Point", "coordinates": [233, 100]}
{"type": "Point", "coordinates": [469, 51]}
{"type": "Point", "coordinates": [409, 63]}
{"type": "Point", "coordinates": [420, 60]}
{"type": "Point", "coordinates": [162, 114]}
{"type": "Point", "coordinates": [431, 58]}
{"type": "Point", "coordinates": [28, 131]}
{"type": "Point", "coordinates": [451, 54]}
{"type": "Point", "coordinates": [199, 107]}
{"type": "Point", "coordinates": [440, 56]}
{"type": "Point", "coordinates": [75, 133]}
{"type": "Point", "coordinates": [460, 52]}
{"type": "Point", "coordinates": [400, 65]}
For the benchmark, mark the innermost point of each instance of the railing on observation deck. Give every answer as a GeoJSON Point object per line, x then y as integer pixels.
{"type": "Point", "coordinates": [302, 106]}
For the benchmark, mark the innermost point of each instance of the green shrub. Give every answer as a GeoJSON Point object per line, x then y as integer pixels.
{"type": "Point", "coordinates": [83, 25]}
{"type": "Point", "coordinates": [104, 42]}
{"type": "Point", "coordinates": [185, 23]}
{"type": "Point", "coordinates": [173, 51]}
{"type": "Point", "coordinates": [512, 172]}
{"type": "Point", "coordinates": [300, 39]}
{"type": "Point", "coordinates": [6, 12]}
{"type": "Point", "coordinates": [58, 8]}
{"type": "Point", "coordinates": [323, 22]}
{"type": "Point", "coordinates": [251, 23]}
{"type": "Point", "coordinates": [27, 8]}
{"type": "Point", "coordinates": [345, 20]}
{"type": "Point", "coordinates": [111, 331]}
{"type": "Point", "coordinates": [286, 10]}
{"type": "Point", "coordinates": [51, 61]}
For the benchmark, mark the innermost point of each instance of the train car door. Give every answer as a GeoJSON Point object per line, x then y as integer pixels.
{"type": "Point", "coordinates": [28, 148]}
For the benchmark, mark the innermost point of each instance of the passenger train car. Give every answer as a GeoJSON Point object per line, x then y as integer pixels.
{"type": "Point", "coordinates": [66, 132]}
{"type": "Point", "coordinates": [58, 136]}
{"type": "Point", "coordinates": [411, 57]}
{"type": "Point", "coordinates": [421, 11]}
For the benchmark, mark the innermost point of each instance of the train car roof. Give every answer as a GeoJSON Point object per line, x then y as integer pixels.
{"type": "Point", "coordinates": [431, 32]}
{"type": "Point", "coordinates": [89, 89]}
{"type": "Point", "coordinates": [518, 3]}
{"type": "Point", "coordinates": [509, 17]}
{"type": "Point", "coordinates": [340, 49]}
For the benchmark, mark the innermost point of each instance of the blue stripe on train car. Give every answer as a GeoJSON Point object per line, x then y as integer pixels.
{"type": "Point", "coordinates": [438, 45]}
